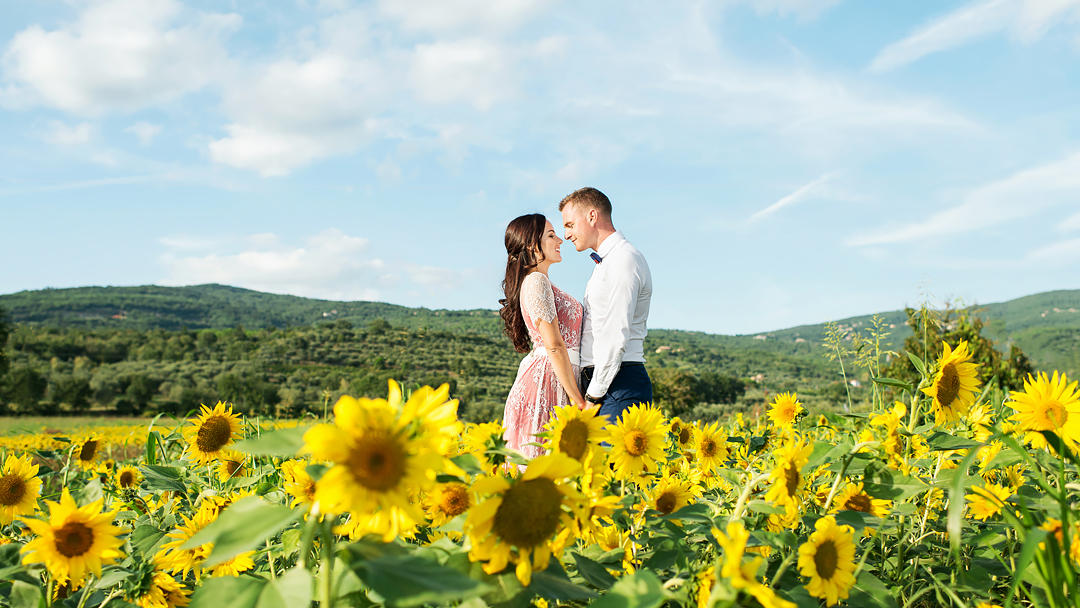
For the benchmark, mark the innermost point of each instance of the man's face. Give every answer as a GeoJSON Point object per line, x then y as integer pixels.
{"type": "Point", "coordinates": [579, 230]}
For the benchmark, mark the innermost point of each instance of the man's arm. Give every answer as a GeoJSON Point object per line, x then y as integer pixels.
{"type": "Point", "coordinates": [611, 336]}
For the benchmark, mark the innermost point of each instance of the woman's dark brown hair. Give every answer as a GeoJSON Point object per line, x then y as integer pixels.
{"type": "Point", "coordinates": [523, 253]}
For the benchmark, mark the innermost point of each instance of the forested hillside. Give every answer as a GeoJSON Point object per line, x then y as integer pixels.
{"type": "Point", "coordinates": [149, 349]}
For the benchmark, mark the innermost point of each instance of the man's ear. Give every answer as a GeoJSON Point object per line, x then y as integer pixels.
{"type": "Point", "coordinates": [592, 216]}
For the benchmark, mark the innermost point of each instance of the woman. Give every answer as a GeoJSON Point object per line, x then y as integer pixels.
{"type": "Point", "coordinates": [534, 310]}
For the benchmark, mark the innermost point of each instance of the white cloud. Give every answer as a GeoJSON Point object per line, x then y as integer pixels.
{"type": "Point", "coordinates": [453, 15]}
{"type": "Point", "coordinates": [330, 264]}
{"type": "Point", "coordinates": [1057, 254]}
{"type": "Point", "coordinates": [812, 189]}
{"type": "Point", "coordinates": [118, 55]}
{"type": "Point", "coordinates": [63, 134]}
{"type": "Point", "coordinates": [803, 9]}
{"type": "Point", "coordinates": [475, 71]}
{"type": "Point", "coordinates": [1012, 198]}
{"type": "Point", "coordinates": [1071, 223]}
{"type": "Point", "coordinates": [144, 131]}
{"type": "Point", "coordinates": [1024, 20]}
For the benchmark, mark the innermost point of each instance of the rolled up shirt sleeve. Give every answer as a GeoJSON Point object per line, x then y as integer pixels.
{"type": "Point", "coordinates": [612, 330]}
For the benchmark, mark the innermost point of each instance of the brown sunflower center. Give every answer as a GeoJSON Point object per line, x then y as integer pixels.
{"type": "Point", "coordinates": [825, 559]}
{"type": "Point", "coordinates": [529, 513]}
{"type": "Point", "coordinates": [665, 503]}
{"type": "Point", "coordinates": [636, 443]}
{"type": "Point", "coordinates": [708, 448]}
{"type": "Point", "coordinates": [214, 434]}
{"type": "Point", "coordinates": [309, 489]}
{"type": "Point", "coordinates": [12, 489]}
{"type": "Point", "coordinates": [684, 434]}
{"type": "Point", "coordinates": [574, 439]}
{"type": "Point", "coordinates": [127, 479]}
{"type": "Point", "coordinates": [454, 500]}
{"type": "Point", "coordinates": [88, 449]}
{"type": "Point", "coordinates": [377, 462]}
{"type": "Point", "coordinates": [859, 502]}
{"type": "Point", "coordinates": [233, 467]}
{"type": "Point", "coordinates": [948, 386]}
{"type": "Point", "coordinates": [74, 539]}
{"type": "Point", "coordinates": [791, 479]}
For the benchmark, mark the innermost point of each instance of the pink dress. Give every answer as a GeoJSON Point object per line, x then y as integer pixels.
{"type": "Point", "coordinates": [536, 391]}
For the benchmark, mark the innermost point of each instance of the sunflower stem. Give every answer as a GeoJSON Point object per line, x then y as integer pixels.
{"type": "Point", "coordinates": [843, 469]}
{"type": "Point", "coordinates": [270, 560]}
{"type": "Point", "coordinates": [784, 565]}
{"type": "Point", "coordinates": [86, 591]}
{"type": "Point", "coordinates": [326, 580]}
{"type": "Point", "coordinates": [741, 504]}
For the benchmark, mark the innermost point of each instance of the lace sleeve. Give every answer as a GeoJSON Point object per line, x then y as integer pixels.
{"type": "Point", "coordinates": [537, 298]}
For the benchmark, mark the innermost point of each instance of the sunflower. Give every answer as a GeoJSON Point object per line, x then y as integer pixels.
{"type": "Point", "coordinates": [435, 411]}
{"type": "Point", "coordinates": [74, 541]}
{"type": "Point", "coordinates": [160, 591]}
{"type": "Point", "coordinates": [638, 441]}
{"type": "Point", "coordinates": [1049, 404]}
{"type": "Point", "coordinates": [230, 465]}
{"type": "Point", "coordinates": [743, 574]}
{"type": "Point", "coordinates": [19, 488]}
{"type": "Point", "coordinates": [986, 501]}
{"type": "Point", "coordinates": [787, 479]}
{"type": "Point", "coordinates": [683, 433]}
{"type": "Point", "coordinates": [524, 520]}
{"type": "Point", "coordinates": [785, 410]}
{"type": "Point", "coordinates": [955, 384]}
{"type": "Point", "coordinates": [211, 432]}
{"type": "Point", "coordinates": [388, 524]}
{"type": "Point", "coordinates": [575, 432]}
{"type": "Point", "coordinates": [711, 447]}
{"type": "Point", "coordinates": [298, 483]}
{"type": "Point", "coordinates": [128, 478]}
{"type": "Point", "coordinates": [827, 558]}
{"type": "Point", "coordinates": [88, 451]}
{"type": "Point", "coordinates": [670, 494]}
{"type": "Point", "coordinates": [854, 498]}
{"type": "Point", "coordinates": [173, 558]}
{"type": "Point", "coordinates": [378, 455]}
{"type": "Point", "coordinates": [446, 501]}
{"type": "Point", "coordinates": [479, 438]}
{"type": "Point", "coordinates": [706, 580]}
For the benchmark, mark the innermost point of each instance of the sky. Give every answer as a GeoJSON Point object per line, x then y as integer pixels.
{"type": "Point", "coordinates": [778, 162]}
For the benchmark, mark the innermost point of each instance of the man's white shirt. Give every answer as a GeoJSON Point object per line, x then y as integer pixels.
{"type": "Point", "coordinates": [616, 308]}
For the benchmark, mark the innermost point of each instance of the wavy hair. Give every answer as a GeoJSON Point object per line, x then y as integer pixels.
{"type": "Point", "coordinates": [523, 253]}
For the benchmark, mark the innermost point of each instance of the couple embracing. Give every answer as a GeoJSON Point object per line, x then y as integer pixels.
{"type": "Point", "coordinates": [588, 353]}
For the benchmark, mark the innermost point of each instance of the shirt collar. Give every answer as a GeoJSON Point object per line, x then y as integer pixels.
{"type": "Point", "coordinates": [610, 243]}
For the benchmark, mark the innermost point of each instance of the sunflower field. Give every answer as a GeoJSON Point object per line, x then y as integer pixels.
{"type": "Point", "coordinates": [943, 493]}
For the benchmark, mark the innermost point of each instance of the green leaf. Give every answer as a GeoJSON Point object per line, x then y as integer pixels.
{"type": "Point", "coordinates": [241, 527]}
{"type": "Point", "coordinates": [25, 595]}
{"type": "Point", "coordinates": [956, 501]}
{"type": "Point", "coordinates": [151, 447]}
{"type": "Point", "coordinates": [287, 591]}
{"type": "Point", "coordinates": [409, 580]}
{"type": "Point", "coordinates": [1031, 542]}
{"type": "Point", "coordinates": [145, 538]}
{"type": "Point", "coordinates": [941, 440]}
{"type": "Point", "coordinates": [553, 584]}
{"type": "Point", "coordinates": [917, 362]}
{"type": "Point", "coordinates": [892, 485]}
{"type": "Point", "coordinates": [695, 512]}
{"type": "Point", "coordinates": [158, 477]}
{"type": "Point", "coordinates": [893, 382]}
{"type": "Point", "coordinates": [593, 573]}
{"type": "Point", "coordinates": [640, 590]}
{"type": "Point", "coordinates": [283, 443]}
{"type": "Point", "coordinates": [871, 591]}
{"type": "Point", "coordinates": [468, 463]}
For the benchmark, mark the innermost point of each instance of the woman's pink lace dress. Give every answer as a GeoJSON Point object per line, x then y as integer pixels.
{"type": "Point", "coordinates": [536, 391]}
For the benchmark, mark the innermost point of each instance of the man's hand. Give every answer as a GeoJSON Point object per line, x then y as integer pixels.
{"type": "Point", "coordinates": [591, 404]}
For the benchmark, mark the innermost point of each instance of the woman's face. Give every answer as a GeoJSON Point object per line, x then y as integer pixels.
{"type": "Point", "coordinates": [550, 243]}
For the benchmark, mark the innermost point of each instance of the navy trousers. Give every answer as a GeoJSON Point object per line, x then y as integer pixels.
{"type": "Point", "coordinates": [631, 386]}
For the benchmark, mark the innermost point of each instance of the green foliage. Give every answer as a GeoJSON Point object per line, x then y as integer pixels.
{"type": "Point", "coordinates": [931, 328]}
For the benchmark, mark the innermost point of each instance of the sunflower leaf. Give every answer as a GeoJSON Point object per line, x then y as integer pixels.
{"type": "Point", "coordinates": [956, 501]}
{"type": "Point", "coordinates": [895, 384]}
{"type": "Point", "coordinates": [282, 443]}
{"type": "Point", "coordinates": [241, 527]}
{"type": "Point", "coordinates": [941, 441]}
{"type": "Point", "coordinates": [639, 590]}
{"type": "Point", "coordinates": [595, 574]}
{"type": "Point", "coordinates": [917, 362]}
{"type": "Point", "coordinates": [159, 477]}
{"type": "Point", "coordinates": [410, 580]}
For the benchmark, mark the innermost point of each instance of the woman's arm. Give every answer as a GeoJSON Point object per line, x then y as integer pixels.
{"type": "Point", "coordinates": [560, 360]}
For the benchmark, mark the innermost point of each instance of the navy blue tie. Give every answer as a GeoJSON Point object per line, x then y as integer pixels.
{"type": "Point", "coordinates": [596, 258]}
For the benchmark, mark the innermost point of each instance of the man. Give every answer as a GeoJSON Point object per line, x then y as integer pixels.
{"type": "Point", "coordinates": [616, 306]}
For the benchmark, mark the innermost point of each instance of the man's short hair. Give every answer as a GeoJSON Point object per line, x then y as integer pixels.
{"type": "Point", "coordinates": [588, 198]}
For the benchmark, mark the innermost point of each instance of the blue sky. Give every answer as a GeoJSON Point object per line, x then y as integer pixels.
{"type": "Point", "coordinates": [778, 161]}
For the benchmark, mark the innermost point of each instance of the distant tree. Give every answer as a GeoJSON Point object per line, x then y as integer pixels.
{"type": "Point", "coordinates": [5, 331]}
{"type": "Point", "coordinates": [26, 388]}
{"type": "Point", "coordinates": [378, 326]}
{"type": "Point", "coordinates": [930, 328]}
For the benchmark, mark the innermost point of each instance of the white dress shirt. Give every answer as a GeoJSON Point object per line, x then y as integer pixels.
{"type": "Point", "coordinates": [616, 308]}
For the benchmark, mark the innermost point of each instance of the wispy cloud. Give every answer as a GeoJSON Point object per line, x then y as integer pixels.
{"type": "Point", "coordinates": [1060, 253]}
{"type": "Point", "coordinates": [1070, 224]}
{"type": "Point", "coordinates": [806, 191]}
{"type": "Point", "coordinates": [1024, 20]}
{"type": "Point", "coordinates": [1012, 198]}
{"type": "Point", "coordinates": [63, 134]}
